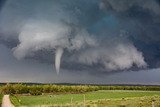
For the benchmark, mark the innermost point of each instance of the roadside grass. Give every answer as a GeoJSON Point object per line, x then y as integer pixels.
{"type": "Point", "coordinates": [109, 97]}
{"type": "Point", "coordinates": [1, 96]}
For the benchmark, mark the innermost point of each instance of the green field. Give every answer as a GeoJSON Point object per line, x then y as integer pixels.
{"type": "Point", "coordinates": [98, 98]}
{"type": "Point", "coordinates": [1, 98]}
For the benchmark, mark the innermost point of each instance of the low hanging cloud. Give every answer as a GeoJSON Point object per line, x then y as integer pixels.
{"type": "Point", "coordinates": [40, 35]}
{"type": "Point", "coordinates": [83, 35]}
{"type": "Point", "coordinates": [116, 57]}
{"type": "Point", "coordinates": [60, 36]}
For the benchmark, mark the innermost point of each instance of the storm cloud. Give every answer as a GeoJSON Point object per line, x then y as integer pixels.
{"type": "Point", "coordinates": [108, 35]}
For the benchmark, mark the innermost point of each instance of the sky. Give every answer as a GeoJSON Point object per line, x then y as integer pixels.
{"type": "Point", "coordinates": [80, 41]}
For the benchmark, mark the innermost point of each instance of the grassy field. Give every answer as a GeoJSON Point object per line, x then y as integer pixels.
{"type": "Point", "coordinates": [99, 98]}
{"type": "Point", "coordinates": [1, 99]}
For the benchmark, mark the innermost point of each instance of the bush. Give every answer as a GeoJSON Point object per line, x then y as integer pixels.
{"type": "Point", "coordinates": [39, 89]}
{"type": "Point", "coordinates": [35, 90]}
{"type": "Point", "coordinates": [8, 89]}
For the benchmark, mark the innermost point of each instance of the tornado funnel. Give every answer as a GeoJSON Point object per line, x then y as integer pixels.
{"type": "Point", "coordinates": [58, 55]}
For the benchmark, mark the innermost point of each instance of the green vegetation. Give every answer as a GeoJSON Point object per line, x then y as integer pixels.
{"type": "Point", "coordinates": [1, 98]}
{"type": "Point", "coordinates": [40, 89]}
{"type": "Point", "coordinates": [149, 101]}
{"type": "Point", "coordinates": [80, 95]}
{"type": "Point", "coordinates": [62, 89]}
{"type": "Point", "coordinates": [100, 98]}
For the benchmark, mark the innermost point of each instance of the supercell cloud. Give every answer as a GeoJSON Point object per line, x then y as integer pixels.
{"type": "Point", "coordinates": [96, 36]}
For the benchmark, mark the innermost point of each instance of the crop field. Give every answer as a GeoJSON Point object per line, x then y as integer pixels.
{"type": "Point", "coordinates": [101, 98]}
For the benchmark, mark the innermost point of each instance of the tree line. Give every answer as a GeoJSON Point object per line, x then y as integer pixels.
{"type": "Point", "coordinates": [58, 89]}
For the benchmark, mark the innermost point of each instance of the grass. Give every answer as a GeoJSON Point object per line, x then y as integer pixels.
{"type": "Point", "coordinates": [127, 102]}
{"type": "Point", "coordinates": [1, 96]}
{"type": "Point", "coordinates": [96, 98]}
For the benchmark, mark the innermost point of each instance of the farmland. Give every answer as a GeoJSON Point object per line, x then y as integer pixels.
{"type": "Point", "coordinates": [51, 95]}
{"type": "Point", "coordinates": [99, 98]}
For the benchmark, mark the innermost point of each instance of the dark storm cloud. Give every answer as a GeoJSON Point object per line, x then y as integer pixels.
{"type": "Point", "coordinates": [95, 35]}
{"type": "Point", "coordinates": [1, 3]}
{"type": "Point", "coordinates": [140, 18]}
{"type": "Point", "coordinates": [33, 71]}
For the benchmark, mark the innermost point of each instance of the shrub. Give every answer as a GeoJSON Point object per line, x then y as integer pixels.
{"type": "Point", "coordinates": [39, 89]}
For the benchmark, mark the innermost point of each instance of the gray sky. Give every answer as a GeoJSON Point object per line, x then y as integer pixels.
{"type": "Point", "coordinates": [98, 41]}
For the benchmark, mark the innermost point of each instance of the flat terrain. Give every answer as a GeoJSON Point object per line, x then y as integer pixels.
{"type": "Point", "coordinates": [1, 96]}
{"type": "Point", "coordinates": [99, 98]}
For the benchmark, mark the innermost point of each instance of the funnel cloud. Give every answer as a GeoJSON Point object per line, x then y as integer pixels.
{"type": "Point", "coordinates": [59, 52]}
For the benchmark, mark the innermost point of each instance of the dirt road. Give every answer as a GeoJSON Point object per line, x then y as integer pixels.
{"type": "Point", "coordinates": [6, 101]}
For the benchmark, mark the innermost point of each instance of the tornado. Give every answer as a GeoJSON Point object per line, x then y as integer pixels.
{"type": "Point", "coordinates": [58, 55]}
